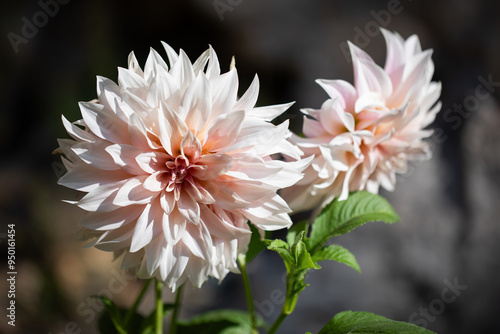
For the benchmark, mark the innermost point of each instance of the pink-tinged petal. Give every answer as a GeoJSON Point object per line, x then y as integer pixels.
{"type": "Point", "coordinates": [101, 199]}
{"type": "Point", "coordinates": [312, 127]}
{"type": "Point", "coordinates": [174, 226]}
{"type": "Point", "coordinates": [133, 192]}
{"type": "Point", "coordinates": [138, 132]}
{"type": "Point", "coordinates": [252, 169]}
{"type": "Point", "coordinates": [167, 201]}
{"type": "Point", "coordinates": [129, 79]}
{"type": "Point", "coordinates": [341, 90]}
{"type": "Point", "coordinates": [172, 129]}
{"type": "Point", "coordinates": [415, 73]}
{"type": "Point", "coordinates": [104, 221]}
{"type": "Point", "coordinates": [143, 230]}
{"type": "Point", "coordinates": [345, 185]}
{"type": "Point", "coordinates": [171, 54]}
{"type": "Point", "coordinates": [196, 103]}
{"type": "Point", "coordinates": [191, 147]}
{"type": "Point", "coordinates": [197, 192]}
{"type": "Point", "coordinates": [223, 131]}
{"type": "Point", "coordinates": [182, 71]}
{"type": "Point", "coordinates": [395, 58]}
{"type": "Point", "coordinates": [156, 181]}
{"type": "Point", "coordinates": [332, 118]}
{"type": "Point", "coordinates": [249, 98]}
{"type": "Point", "coordinates": [150, 162]}
{"type": "Point", "coordinates": [115, 240]}
{"type": "Point", "coordinates": [70, 158]}
{"type": "Point", "coordinates": [224, 196]}
{"type": "Point", "coordinates": [154, 65]}
{"type": "Point", "coordinates": [94, 154]}
{"type": "Point", "coordinates": [221, 228]}
{"type": "Point", "coordinates": [216, 165]}
{"type": "Point", "coordinates": [412, 46]}
{"type": "Point", "coordinates": [76, 132]}
{"type": "Point", "coordinates": [224, 92]}
{"type": "Point", "coordinates": [268, 113]}
{"type": "Point", "coordinates": [87, 178]}
{"type": "Point", "coordinates": [268, 207]}
{"type": "Point", "coordinates": [288, 174]}
{"type": "Point", "coordinates": [250, 190]}
{"type": "Point", "coordinates": [201, 62]}
{"type": "Point", "coordinates": [155, 253]}
{"type": "Point", "coordinates": [108, 94]}
{"type": "Point", "coordinates": [368, 76]}
{"type": "Point", "coordinates": [188, 207]}
{"type": "Point", "coordinates": [133, 64]}
{"type": "Point", "coordinates": [176, 276]}
{"type": "Point", "coordinates": [194, 240]}
{"type": "Point", "coordinates": [163, 88]}
{"type": "Point", "coordinates": [213, 68]}
{"type": "Point", "coordinates": [370, 101]}
{"type": "Point", "coordinates": [197, 271]}
{"type": "Point", "coordinates": [337, 156]}
{"type": "Point", "coordinates": [258, 136]}
{"type": "Point", "coordinates": [104, 123]}
{"type": "Point", "coordinates": [124, 157]}
{"type": "Point", "coordinates": [272, 223]}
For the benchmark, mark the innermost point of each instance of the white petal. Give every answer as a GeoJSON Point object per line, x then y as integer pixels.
{"type": "Point", "coordinates": [248, 100]}
{"type": "Point", "coordinates": [143, 230]}
{"type": "Point", "coordinates": [133, 192]}
{"type": "Point", "coordinates": [104, 123]}
{"type": "Point", "coordinates": [188, 207]}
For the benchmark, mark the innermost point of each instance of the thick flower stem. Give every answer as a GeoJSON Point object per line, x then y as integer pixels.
{"type": "Point", "coordinates": [133, 309]}
{"type": "Point", "coordinates": [289, 305]}
{"type": "Point", "coordinates": [159, 308]}
{"type": "Point", "coordinates": [248, 292]}
{"type": "Point", "coordinates": [277, 323]}
{"type": "Point", "coordinates": [175, 314]}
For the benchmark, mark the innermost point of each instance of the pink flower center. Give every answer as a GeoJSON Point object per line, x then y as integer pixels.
{"type": "Point", "coordinates": [178, 169]}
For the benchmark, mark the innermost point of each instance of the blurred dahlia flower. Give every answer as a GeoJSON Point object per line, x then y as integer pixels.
{"type": "Point", "coordinates": [363, 135]}
{"type": "Point", "coordinates": [174, 165]}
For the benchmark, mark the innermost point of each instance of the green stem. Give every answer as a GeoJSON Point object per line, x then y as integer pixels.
{"type": "Point", "coordinates": [277, 323]}
{"type": "Point", "coordinates": [159, 308]}
{"type": "Point", "coordinates": [133, 309]}
{"type": "Point", "coordinates": [248, 292]}
{"type": "Point", "coordinates": [177, 306]}
{"type": "Point", "coordinates": [290, 302]}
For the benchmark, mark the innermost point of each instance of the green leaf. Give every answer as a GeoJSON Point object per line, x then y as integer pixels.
{"type": "Point", "coordinates": [256, 244]}
{"type": "Point", "coordinates": [282, 249]}
{"type": "Point", "coordinates": [220, 322]}
{"type": "Point", "coordinates": [301, 255]}
{"type": "Point", "coordinates": [337, 253]}
{"type": "Point", "coordinates": [349, 322]}
{"type": "Point", "coordinates": [295, 230]}
{"type": "Point", "coordinates": [112, 319]}
{"type": "Point", "coordinates": [340, 217]}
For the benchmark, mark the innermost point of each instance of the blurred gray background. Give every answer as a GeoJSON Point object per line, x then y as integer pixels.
{"type": "Point", "coordinates": [449, 205]}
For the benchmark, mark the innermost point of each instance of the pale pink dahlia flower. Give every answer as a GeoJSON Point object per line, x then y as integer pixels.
{"type": "Point", "coordinates": [363, 135]}
{"type": "Point", "coordinates": [174, 165]}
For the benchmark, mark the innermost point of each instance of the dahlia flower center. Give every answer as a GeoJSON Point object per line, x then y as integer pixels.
{"type": "Point", "coordinates": [178, 170]}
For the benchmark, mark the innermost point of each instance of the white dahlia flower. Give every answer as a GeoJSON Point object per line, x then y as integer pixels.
{"type": "Point", "coordinates": [174, 165]}
{"type": "Point", "coordinates": [363, 135]}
